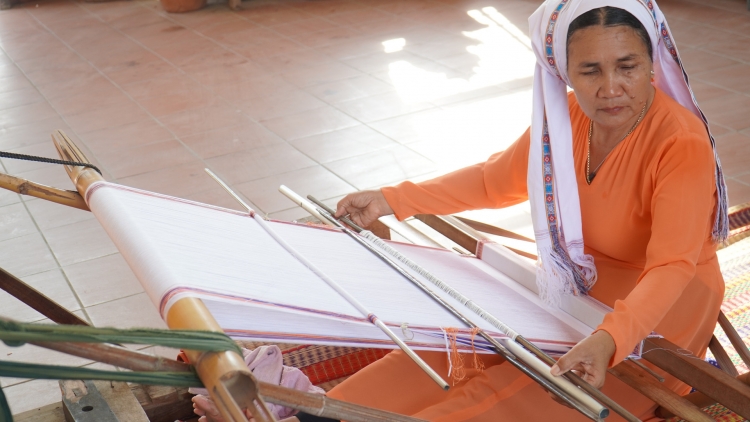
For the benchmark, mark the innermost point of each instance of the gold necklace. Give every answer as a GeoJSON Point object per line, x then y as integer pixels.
{"type": "Point", "coordinates": [588, 154]}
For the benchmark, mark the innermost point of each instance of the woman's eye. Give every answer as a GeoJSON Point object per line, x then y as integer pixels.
{"type": "Point", "coordinates": [591, 72]}
{"type": "Point", "coordinates": [628, 67]}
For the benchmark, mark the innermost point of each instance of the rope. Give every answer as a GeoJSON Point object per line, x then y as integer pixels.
{"type": "Point", "coordinates": [54, 372]}
{"type": "Point", "coordinates": [16, 334]}
{"type": "Point", "coordinates": [47, 160]}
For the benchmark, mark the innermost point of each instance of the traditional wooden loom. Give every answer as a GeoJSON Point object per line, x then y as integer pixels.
{"type": "Point", "coordinates": [232, 386]}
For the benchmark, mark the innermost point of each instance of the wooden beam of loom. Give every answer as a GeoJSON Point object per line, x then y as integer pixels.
{"type": "Point", "coordinates": [231, 385]}
{"type": "Point", "coordinates": [37, 300]}
{"type": "Point", "coordinates": [26, 187]}
{"type": "Point", "coordinates": [725, 389]}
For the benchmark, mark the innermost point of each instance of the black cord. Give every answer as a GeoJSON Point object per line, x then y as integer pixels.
{"type": "Point", "coordinates": [47, 160]}
{"type": "Point", "coordinates": [304, 417]}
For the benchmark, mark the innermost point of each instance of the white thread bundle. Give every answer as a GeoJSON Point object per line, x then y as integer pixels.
{"type": "Point", "coordinates": [455, 294]}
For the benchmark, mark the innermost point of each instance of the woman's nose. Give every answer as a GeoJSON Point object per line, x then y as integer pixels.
{"type": "Point", "coordinates": [611, 86]}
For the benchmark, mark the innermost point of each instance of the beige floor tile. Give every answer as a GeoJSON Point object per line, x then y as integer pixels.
{"type": "Point", "coordinates": [380, 107]}
{"type": "Point", "coordinates": [146, 158]}
{"type": "Point", "coordinates": [322, 73]}
{"type": "Point", "coordinates": [244, 166]}
{"type": "Point", "coordinates": [344, 143]}
{"type": "Point", "coordinates": [190, 122]}
{"type": "Point", "coordinates": [316, 181]}
{"type": "Point", "coordinates": [79, 242]}
{"type": "Point", "coordinates": [382, 167]}
{"type": "Point", "coordinates": [31, 255]}
{"type": "Point", "coordinates": [181, 181]}
{"type": "Point", "coordinates": [349, 89]}
{"type": "Point", "coordinates": [135, 311]}
{"type": "Point", "coordinates": [7, 197]}
{"type": "Point", "coordinates": [230, 139]}
{"type": "Point", "coordinates": [49, 215]}
{"type": "Point", "coordinates": [282, 104]}
{"type": "Point", "coordinates": [15, 222]}
{"type": "Point", "coordinates": [31, 395]}
{"type": "Point", "coordinates": [131, 135]}
{"type": "Point", "coordinates": [102, 279]}
{"type": "Point", "coordinates": [309, 123]}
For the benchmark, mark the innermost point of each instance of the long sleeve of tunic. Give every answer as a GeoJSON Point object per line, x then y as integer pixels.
{"type": "Point", "coordinates": [647, 219]}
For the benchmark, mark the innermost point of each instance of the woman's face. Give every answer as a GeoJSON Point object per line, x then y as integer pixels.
{"type": "Point", "coordinates": [609, 69]}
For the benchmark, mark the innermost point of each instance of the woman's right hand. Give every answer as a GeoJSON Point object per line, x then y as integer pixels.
{"type": "Point", "coordinates": [364, 207]}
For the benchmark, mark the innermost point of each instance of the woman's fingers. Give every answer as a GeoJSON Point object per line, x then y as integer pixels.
{"type": "Point", "coordinates": [364, 207]}
{"type": "Point", "coordinates": [204, 407]}
{"type": "Point", "coordinates": [589, 359]}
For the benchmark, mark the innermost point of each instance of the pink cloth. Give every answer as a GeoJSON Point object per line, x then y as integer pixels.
{"type": "Point", "coordinates": [267, 364]}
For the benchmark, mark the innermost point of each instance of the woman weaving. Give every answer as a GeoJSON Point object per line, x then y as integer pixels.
{"type": "Point", "coordinates": [634, 179]}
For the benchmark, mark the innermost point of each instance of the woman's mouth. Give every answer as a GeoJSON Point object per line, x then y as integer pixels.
{"type": "Point", "coordinates": [612, 110]}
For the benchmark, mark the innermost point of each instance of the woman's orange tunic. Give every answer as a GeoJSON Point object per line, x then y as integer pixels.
{"type": "Point", "coordinates": [647, 219]}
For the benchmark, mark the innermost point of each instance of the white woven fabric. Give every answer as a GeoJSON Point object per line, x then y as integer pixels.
{"type": "Point", "coordinates": [256, 289]}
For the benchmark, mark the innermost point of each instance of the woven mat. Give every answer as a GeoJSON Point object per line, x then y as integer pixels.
{"type": "Point", "coordinates": [326, 366]}
{"type": "Point", "coordinates": [735, 266]}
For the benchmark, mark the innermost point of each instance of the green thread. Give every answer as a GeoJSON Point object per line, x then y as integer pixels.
{"type": "Point", "coordinates": [54, 372]}
{"type": "Point", "coordinates": [16, 334]}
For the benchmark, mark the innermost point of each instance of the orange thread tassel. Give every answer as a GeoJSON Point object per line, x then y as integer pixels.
{"type": "Point", "coordinates": [478, 363]}
{"type": "Point", "coordinates": [457, 361]}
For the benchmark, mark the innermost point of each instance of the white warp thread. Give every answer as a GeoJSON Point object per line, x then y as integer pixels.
{"type": "Point", "coordinates": [455, 294]}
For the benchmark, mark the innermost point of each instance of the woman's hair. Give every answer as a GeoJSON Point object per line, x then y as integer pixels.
{"type": "Point", "coordinates": [610, 16]}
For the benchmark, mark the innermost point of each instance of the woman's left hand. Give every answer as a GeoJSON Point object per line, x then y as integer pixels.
{"type": "Point", "coordinates": [589, 359]}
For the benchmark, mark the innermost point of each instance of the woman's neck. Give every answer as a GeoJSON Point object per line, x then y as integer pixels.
{"type": "Point", "coordinates": [607, 138]}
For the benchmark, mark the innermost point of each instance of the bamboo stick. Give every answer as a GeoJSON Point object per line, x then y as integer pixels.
{"type": "Point", "coordinates": [37, 190]}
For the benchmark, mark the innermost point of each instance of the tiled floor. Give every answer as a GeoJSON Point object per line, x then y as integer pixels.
{"type": "Point", "coordinates": [325, 96]}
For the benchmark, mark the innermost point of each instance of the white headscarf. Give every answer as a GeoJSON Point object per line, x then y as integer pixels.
{"type": "Point", "coordinates": [563, 267]}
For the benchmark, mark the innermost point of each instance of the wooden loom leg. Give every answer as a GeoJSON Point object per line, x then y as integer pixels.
{"type": "Point", "coordinates": [225, 375]}
{"type": "Point", "coordinates": [37, 301]}
{"type": "Point", "coordinates": [734, 338]}
{"type": "Point", "coordinates": [725, 389]}
{"type": "Point", "coordinates": [647, 385]}
{"type": "Point", "coordinates": [722, 358]}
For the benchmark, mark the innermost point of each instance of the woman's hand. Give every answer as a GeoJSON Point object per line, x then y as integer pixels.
{"type": "Point", "coordinates": [589, 359]}
{"type": "Point", "coordinates": [364, 207]}
{"type": "Point", "coordinates": [204, 407]}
